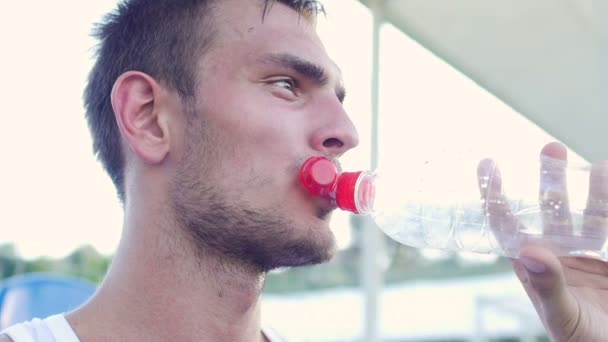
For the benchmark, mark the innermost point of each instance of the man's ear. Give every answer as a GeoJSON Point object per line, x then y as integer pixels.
{"type": "Point", "coordinates": [137, 103]}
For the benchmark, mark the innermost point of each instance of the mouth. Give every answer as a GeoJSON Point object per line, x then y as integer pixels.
{"type": "Point", "coordinates": [323, 205]}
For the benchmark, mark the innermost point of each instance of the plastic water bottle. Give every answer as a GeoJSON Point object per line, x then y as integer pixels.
{"type": "Point", "coordinates": [474, 205]}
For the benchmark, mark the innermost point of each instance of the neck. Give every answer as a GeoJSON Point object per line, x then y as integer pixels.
{"type": "Point", "coordinates": [159, 289]}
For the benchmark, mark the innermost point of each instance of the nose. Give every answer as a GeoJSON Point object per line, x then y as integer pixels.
{"type": "Point", "coordinates": [334, 132]}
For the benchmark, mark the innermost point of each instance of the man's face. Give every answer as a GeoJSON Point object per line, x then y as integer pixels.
{"type": "Point", "coordinates": [268, 98]}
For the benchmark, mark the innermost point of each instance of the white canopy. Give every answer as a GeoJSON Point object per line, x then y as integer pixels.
{"type": "Point", "coordinates": [547, 59]}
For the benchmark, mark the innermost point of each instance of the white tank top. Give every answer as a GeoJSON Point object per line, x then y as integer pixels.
{"type": "Point", "coordinates": [57, 329]}
{"type": "Point", "coordinates": [52, 329]}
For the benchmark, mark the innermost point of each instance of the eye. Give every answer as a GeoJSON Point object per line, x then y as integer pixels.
{"type": "Point", "coordinates": [285, 83]}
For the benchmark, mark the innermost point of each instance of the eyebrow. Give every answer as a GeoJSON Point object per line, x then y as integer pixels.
{"type": "Point", "coordinates": [305, 68]}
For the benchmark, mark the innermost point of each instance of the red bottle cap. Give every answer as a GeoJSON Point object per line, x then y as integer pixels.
{"type": "Point", "coordinates": [346, 192]}
{"type": "Point", "coordinates": [356, 192]}
{"type": "Point", "coordinates": [319, 176]}
{"type": "Point", "coordinates": [352, 191]}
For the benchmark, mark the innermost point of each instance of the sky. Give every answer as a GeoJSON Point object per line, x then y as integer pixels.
{"type": "Point", "coordinates": [54, 195]}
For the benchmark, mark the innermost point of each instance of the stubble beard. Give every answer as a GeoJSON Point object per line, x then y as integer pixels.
{"type": "Point", "coordinates": [219, 223]}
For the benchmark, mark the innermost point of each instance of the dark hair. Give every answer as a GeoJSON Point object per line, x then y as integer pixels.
{"type": "Point", "coordinates": [162, 38]}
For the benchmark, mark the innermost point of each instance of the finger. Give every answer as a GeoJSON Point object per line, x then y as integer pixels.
{"type": "Point", "coordinates": [498, 212]}
{"type": "Point", "coordinates": [490, 185]}
{"type": "Point", "coordinates": [595, 224]}
{"type": "Point", "coordinates": [553, 191]}
{"type": "Point", "coordinates": [546, 286]}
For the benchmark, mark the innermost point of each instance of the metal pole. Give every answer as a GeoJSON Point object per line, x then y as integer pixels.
{"type": "Point", "coordinates": [600, 10]}
{"type": "Point", "coordinates": [372, 241]}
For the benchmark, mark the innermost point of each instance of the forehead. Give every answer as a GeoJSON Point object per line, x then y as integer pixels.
{"type": "Point", "coordinates": [244, 29]}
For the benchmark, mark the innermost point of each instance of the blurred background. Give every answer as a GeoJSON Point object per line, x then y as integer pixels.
{"type": "Point", "coordinates": [423, 77]}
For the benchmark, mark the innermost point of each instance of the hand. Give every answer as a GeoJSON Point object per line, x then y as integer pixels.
{"type": "Point", "coordinates": [570, 294]}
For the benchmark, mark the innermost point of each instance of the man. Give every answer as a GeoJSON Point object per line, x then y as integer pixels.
{"type": "Point", "coordinates": [202, 113]}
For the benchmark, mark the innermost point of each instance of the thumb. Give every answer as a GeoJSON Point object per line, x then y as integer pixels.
{"type": "Point", "coordinates": [557, 307]}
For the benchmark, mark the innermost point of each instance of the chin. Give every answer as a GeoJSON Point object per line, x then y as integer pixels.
{"type": "Point", "coordinates": [322, 237]}
{"type": "Point", "coordinates": [313, 243]}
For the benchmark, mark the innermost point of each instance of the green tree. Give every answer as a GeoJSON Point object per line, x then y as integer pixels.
{"type": "Point", "coordinates": [10, 264]}
{"type": "Point", "coordinates": [87, 263]}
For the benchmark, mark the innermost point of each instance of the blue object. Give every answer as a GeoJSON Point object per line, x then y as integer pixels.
{"type": "Point", "coordinates": [40, 295]}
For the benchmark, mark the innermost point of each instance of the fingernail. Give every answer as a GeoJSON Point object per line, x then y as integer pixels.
{"type": "Point", "coordinates": [532, 265]}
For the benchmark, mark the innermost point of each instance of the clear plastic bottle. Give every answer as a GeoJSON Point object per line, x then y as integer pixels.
{"type": "Point", "coordinates": [438, 204]}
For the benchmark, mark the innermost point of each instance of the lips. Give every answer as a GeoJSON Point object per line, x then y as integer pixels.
{"type": "Point", "coordinates": [321, 196]}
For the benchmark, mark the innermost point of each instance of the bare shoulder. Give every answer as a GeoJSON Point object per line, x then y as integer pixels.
{"type": "Point", "coordinates": [4, 338]}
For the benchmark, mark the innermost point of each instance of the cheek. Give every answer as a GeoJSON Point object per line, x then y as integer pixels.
{"type": "Point", "coordinates": [246, 113]}
{"type": "Point", "coordinates": [261, 130]}
{"type": "Point", "coordinates": [257, 135]}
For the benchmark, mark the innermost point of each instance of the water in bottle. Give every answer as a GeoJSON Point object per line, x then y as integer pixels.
{"type": "Point", "coordinates": [478, 205]}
